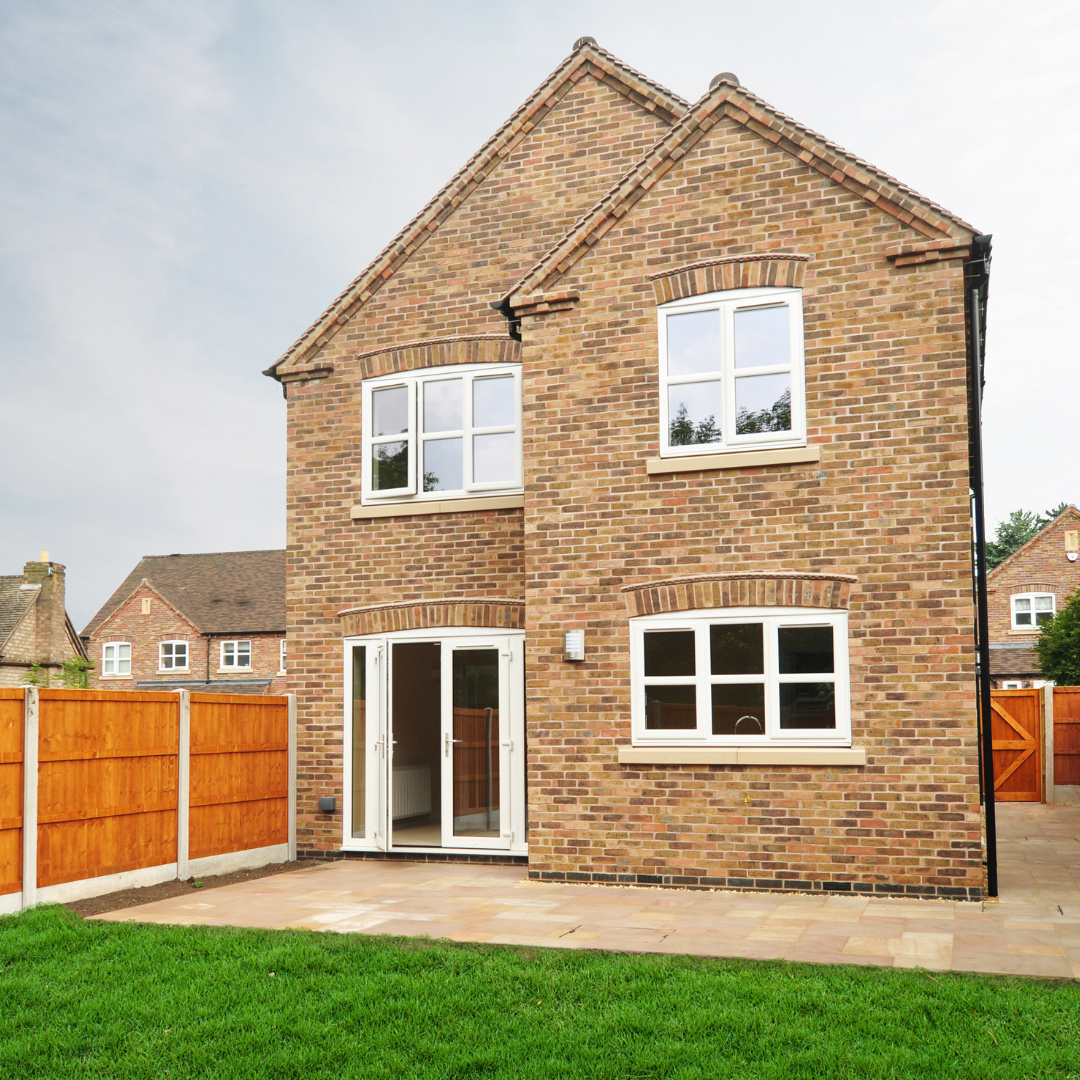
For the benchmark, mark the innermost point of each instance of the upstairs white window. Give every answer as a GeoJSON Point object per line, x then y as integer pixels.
{"type": "Point", "coordinates": [116, 658]}
{"type": "Point", "coordinates": [731, 372]}
{"type": "Point", "coordinates": [1032, 610]}
{"type": "Point", "coordinates": [236, 655]}
{"type": "Point", "coordinates": [755, 677]}
{"type": "Point", "coordinates": [281, 659]}
{"type": "Point", "coordinates": [442, 433]}
{"type": "Point", "coordinates": [173, 656]}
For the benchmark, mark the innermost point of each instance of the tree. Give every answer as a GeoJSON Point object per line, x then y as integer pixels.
{"type": "Point", "coordinates": [1015, 531]}
{"type": "Point", "coordinates": [1058, 645]}
{"type": "Point", "coordinates": [682, 431]}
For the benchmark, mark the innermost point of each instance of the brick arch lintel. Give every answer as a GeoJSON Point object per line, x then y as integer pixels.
{"type": "Point", "coordinates": [489, 612]}
{"type": "Point", "coordinates": [1032, 586]}
{"type": "Point", "coordinates": [439, 352]}
{"type": "Point", "coordinates": [730, 272]}
{"type": "Point", "coordinates": [767, 588]}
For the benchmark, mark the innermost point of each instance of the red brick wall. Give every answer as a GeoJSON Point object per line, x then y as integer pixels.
{"type": "Point", "coordinates": [885, 363]}
{"type": "Point", "coordinates": [446, 287]}
{"type": "Point", "coordinates": [145, 632]}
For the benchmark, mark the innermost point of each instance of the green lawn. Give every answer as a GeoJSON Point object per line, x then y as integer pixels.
{"type": "Point", "coordinates": [84, 999]}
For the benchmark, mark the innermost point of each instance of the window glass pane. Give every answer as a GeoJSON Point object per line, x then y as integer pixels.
{"type": "Point", "coordinates": [693, 343]}
{"type": "Point", "coordinates": [493, 402]}
{"type": "Point", "coordinates": [1043, 617]}
{"type": "Point", "coordinates": [737, 649]}
{"type": "Point", "coordinates": [442, 405]}
{"type": "Point", "coordinates": [805, 649]}
{"type": "Point", "coordinates": [389, 466]}
{"type": "Point", "coordinates": [694, 413]}
{"type": "Point", "coordinates": [390, 411]}
{"type": "Point", "coordinates": [495, 458]}
{"type": "Point", "coordinates": [670, 707]}
{"type": "Point", "coordinates": [762, 403]}
{"type": "Point", "coordinates": [243, 653]}
{"type": "Point", "coordinates": [1023, 618]}
{"type": "Point", "coordinates": [1022, 605]}
{"type": "Point", "coordinates": [359, 739]}
{"type": "Point", "coordinates": [123, 663]}
{"type": "Point", "coordinates": [738, 709]}
{"type": "Point", "coordinates": [807, 705]}
{"type": "Point", "coordinates": [669, 652]}
{"type": "Point", "coordinates": [1044, 603]}
{"type": "Point", "coordinates": [442, 465]}
{"type": "Point", "coordinates": [762, 336]}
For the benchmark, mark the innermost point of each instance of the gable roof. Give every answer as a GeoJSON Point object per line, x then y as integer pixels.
{"type": "Point", "coordinates": [224, 592]}
{"type": "Point", "coordinates": [727, 99]}
{"type": "Point", "coordinates": [587, 58]}
{"type": "Point", "coordinates": [1040, 535]}
{"type": "Point", "coordinates": [16, 597]}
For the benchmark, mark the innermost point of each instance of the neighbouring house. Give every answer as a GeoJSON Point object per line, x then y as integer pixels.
{"type": "Point", "coordinates": [35, 630]}
{"type": "Point", "coordinates": [628, 510]}
{"type": "Point", "coordinates": [212, 623]}
{"type": "Point", "coordinates": [1024, 593]}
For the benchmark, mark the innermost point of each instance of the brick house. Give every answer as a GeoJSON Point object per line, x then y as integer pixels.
{"type": "Point", "coordinates": [212, 623]}
{"type": "Point", "coordinates": [34, 625]}
{"type": "Point", "coordinates": [1024, 592]}
{"type": "Point", "coordinates": [628, 519]}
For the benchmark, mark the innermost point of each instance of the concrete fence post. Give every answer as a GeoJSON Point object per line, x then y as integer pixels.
{"type": "Point", "coordinates": [292, 777]}
{"type": "Point", "coordinates": [183, 787]}
{"type": "Point", "coordinates": [1048, 744]}
{"type": "Point", "coordinates": [30, 796]}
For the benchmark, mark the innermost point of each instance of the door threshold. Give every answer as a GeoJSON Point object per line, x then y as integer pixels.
{"type": "Point", "coordinates": [451, 851]}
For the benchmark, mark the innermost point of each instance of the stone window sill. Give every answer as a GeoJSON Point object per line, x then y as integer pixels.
{"type": "Point", "coordinates": [798, 455]}
{"type": "Point", "coordinates": [741, 755]}
{"type": "Point", "coordinates": [445, 506]}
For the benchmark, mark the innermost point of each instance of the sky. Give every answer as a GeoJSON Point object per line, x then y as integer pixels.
{"type": "Point", "coordinates": [185, 185]}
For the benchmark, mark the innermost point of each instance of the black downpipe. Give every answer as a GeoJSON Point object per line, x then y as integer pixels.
{"type": "Point", "coordinates": [977, 286]}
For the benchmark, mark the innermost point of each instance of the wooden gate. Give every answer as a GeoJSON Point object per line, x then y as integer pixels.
{"type": "Point", "coordinates": [1016, 727]}
{"type": "Point", "coordinates": [1066, 735]}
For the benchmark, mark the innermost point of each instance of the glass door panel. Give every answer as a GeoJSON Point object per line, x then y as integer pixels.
{"type": "Point", "coordinates": [416, 730]}
{"type": "Point", "coordinates": [359, 742]}
{"type": "Point", "coordinates": [475, 742]}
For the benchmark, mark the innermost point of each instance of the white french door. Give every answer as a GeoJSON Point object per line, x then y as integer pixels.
{"type": "Point", "coordinates": [435, 754]}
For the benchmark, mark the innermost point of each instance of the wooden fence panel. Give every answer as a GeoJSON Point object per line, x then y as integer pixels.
{"type": "Point", "coordinates": [1066, 735]}
{"type": "Point", "coordinates": [1016, 727]}
{"type": "Point", "coordinates": [11, 790]}
{"type": "Point", "coordinates": [239, 773]}
{"type": "Point", "coordinates": [107, 783]}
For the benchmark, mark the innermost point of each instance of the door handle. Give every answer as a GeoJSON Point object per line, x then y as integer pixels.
{"type": "Point", "coordinates": [449, 741]}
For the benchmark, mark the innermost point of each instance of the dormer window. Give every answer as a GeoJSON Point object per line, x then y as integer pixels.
{"type": "Point", "coordinates": [442, 433]}
{"type": "Point", "coordinates": [731, 372]}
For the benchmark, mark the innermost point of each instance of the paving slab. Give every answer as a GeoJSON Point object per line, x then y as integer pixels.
{"type": "Point", "coordinates": [1034, 929]}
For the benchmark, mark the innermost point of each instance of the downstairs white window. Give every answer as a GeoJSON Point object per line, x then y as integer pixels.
{"type": "Point", "coordinates": [751, 677]}
{"type": "Point", "coordinates": [442, 433]}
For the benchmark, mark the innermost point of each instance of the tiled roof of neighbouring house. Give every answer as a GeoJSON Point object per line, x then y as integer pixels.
{"type": "Point", "coordinates": [15, 598]}
{"type": "Point", "coordinates": [222, 592]}
{"type": "Point", "coordinates": [1006, 660]}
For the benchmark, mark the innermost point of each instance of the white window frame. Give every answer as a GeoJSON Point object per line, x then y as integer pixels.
{"type": "Point", "coordinates": [115, 660]}
{"type": "Point", "coordinates": [1032, 596]}
{"type": "Point", "coordinates": [414, 382]}
{"type": "Point", "coordinates": [162, 666]}
{"type": "Point", "coordinates": [235, 643]}
{"type": "Point", "coordinates": [1012, 684]}
{"type": "Point", "coordinates": [727, 303]}
{"type": "Point", "coordinates": [773, 619]}
{"type": "Point", "coordinates": [281, 657]}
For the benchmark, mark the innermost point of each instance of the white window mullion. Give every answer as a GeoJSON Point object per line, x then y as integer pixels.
{"type": "Point", "coordinates": [703, 666]}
